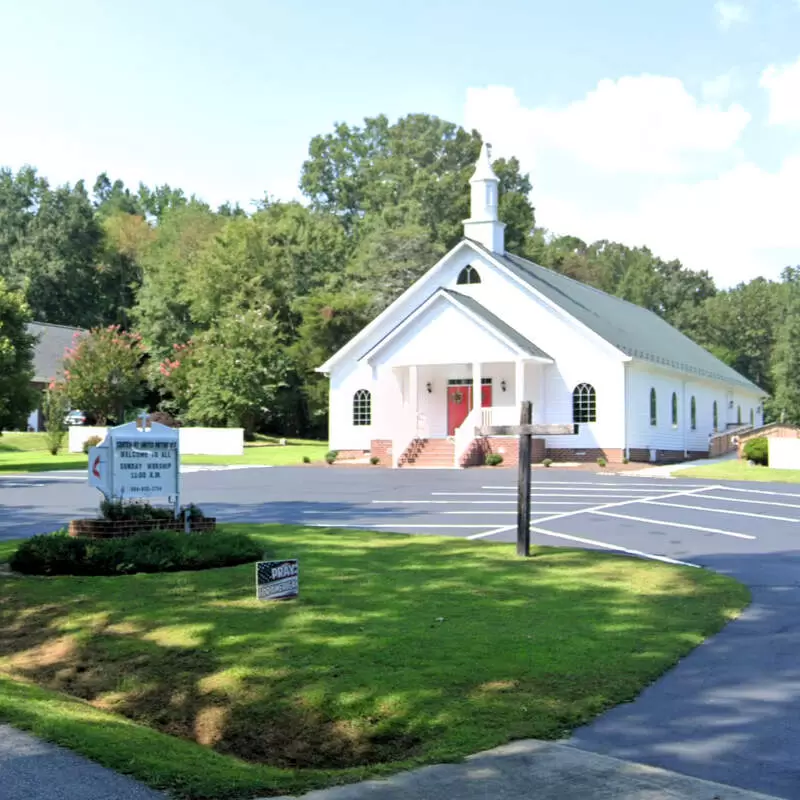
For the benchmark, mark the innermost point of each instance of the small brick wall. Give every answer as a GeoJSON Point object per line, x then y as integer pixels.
{"type": "Point", "coordinates": [776, 430]}
{"type": "Point", "coordinates": [117, 529]}
{"type": "Point", "coordinates": [382, 449]}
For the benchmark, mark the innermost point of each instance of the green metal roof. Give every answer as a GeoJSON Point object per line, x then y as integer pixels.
{"type": "Point", "coordinates": [495, 322]}
{"type": "Point", "coordinates": [634, 330]}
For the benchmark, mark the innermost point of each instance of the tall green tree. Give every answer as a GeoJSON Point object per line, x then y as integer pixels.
{"type": "Point", "coordinates": [413, 172]}
{"type": "Point", "coordinates": [785, 401]}
{"type": "Point", "coordinates": [17, 398]}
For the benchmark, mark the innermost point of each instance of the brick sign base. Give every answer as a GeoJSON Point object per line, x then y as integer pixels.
{"type": "Point", "coordinates": [116, 529]}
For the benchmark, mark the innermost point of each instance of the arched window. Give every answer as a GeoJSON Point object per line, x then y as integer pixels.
{"type": "Point", "coordinates": [674, 409]}
{"type": "Point", "coordinates": [693, 412]}
{"type": "Point", "coordinates": [752, 418]}
{"type": "Point", "coordinates": [468, 275]}
{"type": "Point", "coordinates": [716, 416]}
{"type": "Point", "coordinates": [584, 403]}
{"type": "Point", "coordinates": [362, 407]}
{"type": "Point", "coordinates": [653, 408]}
{"type": "Point", "coordinates": [738, 415]}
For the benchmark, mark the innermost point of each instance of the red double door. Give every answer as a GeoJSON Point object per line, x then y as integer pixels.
{"type": "Point", "coordinates": [459, 403]}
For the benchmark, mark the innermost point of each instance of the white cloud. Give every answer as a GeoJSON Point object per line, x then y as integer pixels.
{"type": "Point", "coordinates": [636, 124]}
{"type": "Point", "coordinates": [783, 86]}
{"type": "Point", "coordinates": [730, 13]}
{"type": "Point", "coordinates": [718, 89]}
{"type": "Point", "coordinates": [628, 170]}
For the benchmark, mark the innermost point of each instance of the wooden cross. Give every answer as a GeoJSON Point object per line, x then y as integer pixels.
{"type": "Point", "coordinates": [526, 430]}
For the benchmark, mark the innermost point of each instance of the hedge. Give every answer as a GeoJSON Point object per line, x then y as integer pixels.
{"type": "Point", "coordinates": [158, 551]}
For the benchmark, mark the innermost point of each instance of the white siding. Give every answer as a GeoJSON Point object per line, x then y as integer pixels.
{"type": "Point", "coordinates": [609, 384]}
{"type": "Point", "coordinates": [346, 380]}
{"type": "Point", "coordinates": [663, 435]}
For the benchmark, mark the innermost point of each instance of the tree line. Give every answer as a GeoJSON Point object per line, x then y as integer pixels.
{"type": "Point", "coordinates": [229, 312]}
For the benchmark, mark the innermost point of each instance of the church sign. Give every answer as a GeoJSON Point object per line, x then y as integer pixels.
{"type": "Point", "coordinates": [137, 461]}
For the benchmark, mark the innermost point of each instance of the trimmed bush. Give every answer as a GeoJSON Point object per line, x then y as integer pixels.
{"type": "Point", "coordinates": [626, 460]}
{"type": "Point", "coordinates": [493, 459]}
{"type": "Point", "coordinates": [92, 441]}
{"type": "Point", "coordinates": [159, 551]}
{"type": "Point", "coordinates": [374, 460]}
{"type": "Point", "coordinates": [601, 462]}
{"type": "Point", "coordinates": [306, 459]}
{"type": "Point", "coordinates": [757, 451]}
{"type": "Point", "coordinates": [331, 456]}
{"type": "Point", "coordinates": [118, 510]}
{"type": "Point", "coordinates": [547, 462]}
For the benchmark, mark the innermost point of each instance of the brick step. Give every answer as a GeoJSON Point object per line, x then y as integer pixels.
{"type": "Point", "coordinates": [429, 453]}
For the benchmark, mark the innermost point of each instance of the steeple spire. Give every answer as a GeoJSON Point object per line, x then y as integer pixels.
{"type": "Point", "coordinates": [483, 226]}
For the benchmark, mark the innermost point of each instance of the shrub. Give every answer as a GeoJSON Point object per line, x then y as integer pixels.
{"type": "Point", "coordinates": [54, 408]}
{"type": "Point", "coordinates": [493, 459]}
{"type": "Point", "coordinates": [626, 460]}
{"type": "Point", "coordinates": [120, 510]}
{"type": "Point", "coordinates": [374, 460]}
{"type": "Point", "coordinates": [757, 451]}
{"type": "Point", "coordinates": [331, 456]}
{"type": "Point", "coordinates": [601, 462]}
{"type": "Point", "coordinates": [158, 551]}
{"type": "Point", "coordinates": [547, 462]}
{"type": "Point", "coordinates": [92, 441]}
{"type": "Point", "coordinates": [306, 459]}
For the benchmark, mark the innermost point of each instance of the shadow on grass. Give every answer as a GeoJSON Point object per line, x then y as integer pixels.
{"type": "Point", "coordinates": [401, 650]}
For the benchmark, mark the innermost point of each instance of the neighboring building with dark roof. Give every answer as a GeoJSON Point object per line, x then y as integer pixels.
{"type": "Point", "coordinates": [48, 358]}
{"type": "Point", "coordinates": [633, 385]}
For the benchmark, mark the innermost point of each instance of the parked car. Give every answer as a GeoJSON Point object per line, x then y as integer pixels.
{"type": "Point", "coordinates": [76, 417]}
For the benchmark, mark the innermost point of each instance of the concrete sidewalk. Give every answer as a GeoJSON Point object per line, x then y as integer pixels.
{"type": "Point", "coordinates": [33, 770]}
{"type": "Point", "coordinates": [534, 770]}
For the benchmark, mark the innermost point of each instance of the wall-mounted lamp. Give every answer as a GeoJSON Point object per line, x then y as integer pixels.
{"type": "Point", "coordinates": [429, 387]}
{"type": "Point", "coordinates": [503, 385]}
{"type": "Point", "coordinates": [758, 409]}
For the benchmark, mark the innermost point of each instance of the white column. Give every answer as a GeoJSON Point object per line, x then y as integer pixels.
{"type": "Point", "coordinates": [413, 389]}
{"type": "Point", "coordinates": [477, 394]}
{"type": "Point", "coordinates": [519, 382]}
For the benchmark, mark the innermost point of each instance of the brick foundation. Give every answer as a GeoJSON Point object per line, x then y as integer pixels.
{"type": "Point", "coordinates": [382, 449]}
{"type": "Point", "coordinates": [122, 528]}
{"type": "Point", "coordinates": [344, 455]}
{"type": "Point", "coordinates": [506, 446]}
{"type": "Point", "coordinates": [616, 455]}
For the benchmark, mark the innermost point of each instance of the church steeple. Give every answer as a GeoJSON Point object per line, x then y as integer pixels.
{"type": "Point", "coordinates": [483, 225]}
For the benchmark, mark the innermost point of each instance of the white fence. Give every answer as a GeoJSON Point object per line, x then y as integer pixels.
{"type": "Point", "coordinates": [784, 453]}
{"type": "Point", "coordinates": [192, 441]}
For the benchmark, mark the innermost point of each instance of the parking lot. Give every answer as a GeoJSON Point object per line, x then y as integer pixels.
{"type": "Point", "coordinates": [729, 712]}
{"type": "Point", "coordinates": [688, 522]}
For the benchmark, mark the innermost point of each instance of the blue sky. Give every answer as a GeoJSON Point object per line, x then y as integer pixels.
{"type": "Point", "coordinates": [677, 126]}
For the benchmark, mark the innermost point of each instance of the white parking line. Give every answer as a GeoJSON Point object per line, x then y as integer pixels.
{"type": "Point", "coordinates": [672, 524]}
{"type": "Point", "coordinates": [558, 489]}
{"type": "Point", "coordinates": [619, 548]}
{"type": "Point", "coordinates": [497, 512]}
{"type": "Point", "coordinates": [536, 493]}
{"type": "Point", "coordinates": [447, 502]}
{"type": "Point", "coordinates": [603, 506]}
{"type": "Point", "coordinates": [721, 511]}
{"type": "Point", "coordinates": [573, 484]}
{"type": "Point", "coordinates": [370, 526]}
{"type": "Point", "coordinates": [760, 491]}
{"type": "Point", "coordinates": [745, 500]}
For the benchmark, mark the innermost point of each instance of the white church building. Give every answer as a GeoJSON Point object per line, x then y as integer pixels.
{"type": "Point", "coordinates": [405, 387]}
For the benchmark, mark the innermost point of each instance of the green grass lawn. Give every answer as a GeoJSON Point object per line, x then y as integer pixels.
{"type": "Point", "coordinates": [401, 650]}
{"type": "Point", "coordinates": [739, 471]}
{"type": "Point", "coordinates": [26, 452]}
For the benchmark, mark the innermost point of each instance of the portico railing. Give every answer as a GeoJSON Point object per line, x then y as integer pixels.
{"type": "Point", "coordinates": [465, 435]}
{"type": "Point", "coordinates": [409, 427]}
